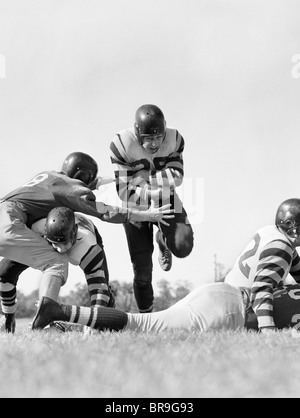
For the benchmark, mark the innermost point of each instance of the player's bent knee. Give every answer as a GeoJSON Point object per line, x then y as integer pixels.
{"type": "Point", "coordinates": [182, 244]}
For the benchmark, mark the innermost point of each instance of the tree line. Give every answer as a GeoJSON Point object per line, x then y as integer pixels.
{"type": "Point", "coordinates": [166, 295]}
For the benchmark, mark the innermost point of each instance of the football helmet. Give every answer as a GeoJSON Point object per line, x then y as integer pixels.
{"type": "Point", "coordinates": [60, 226]}
{"type": "Point", "coordinates": [149, 121]}
{"type": "Point", "coordinates": [81, 166]}
{"type": "Point", "coordinates": [288, 217]}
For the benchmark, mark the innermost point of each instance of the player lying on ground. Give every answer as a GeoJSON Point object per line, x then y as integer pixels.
{"type": "Point", "coordinates": [72, 187]}
{"type": "Point", "coordinates": [215, 306]}
{"type": "Point", "coordinates": [268, 259]}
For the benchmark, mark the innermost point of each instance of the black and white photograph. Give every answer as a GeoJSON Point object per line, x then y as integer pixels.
{"type": "Point", "coordinates": [149, 201]}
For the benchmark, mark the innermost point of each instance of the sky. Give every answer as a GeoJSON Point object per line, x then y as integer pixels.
{"type": "Point", "coordinates": [225, 74]}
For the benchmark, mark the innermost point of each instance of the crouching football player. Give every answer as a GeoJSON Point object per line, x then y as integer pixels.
{"type": "Point", "coordinates": [76, 238]}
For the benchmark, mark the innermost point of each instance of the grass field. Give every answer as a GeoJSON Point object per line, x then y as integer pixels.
{"type": "Point", "coordinates": [132, 365]}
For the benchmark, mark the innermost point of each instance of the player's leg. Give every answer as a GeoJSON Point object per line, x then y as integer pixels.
{"type": "Point", "coordinates": [97, 317]}
{"type": "Point", "coordinates": [95, 267]}
{"type": "Point", "coordinates": [50, 284]}
{"type": "Point", "coordinates": [140, 243]}
{"type": "Point", "coordinates": [179, 236]}
{"type": "Point", "coordinates": [9, 275]}
{"type": "Point", "coordinates": [175, 317]}
{"type": "Point", "coordinates": [213, 306]}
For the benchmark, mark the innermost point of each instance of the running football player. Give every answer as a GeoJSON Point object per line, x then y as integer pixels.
{"type": "Point", "coordinates": [148, 166]}
{"type": "Point", "coordinates": [72, 187]}
{"type": "Point", "coordinates": [268, 259]}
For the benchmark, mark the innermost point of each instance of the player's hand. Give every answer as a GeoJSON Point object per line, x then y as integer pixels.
{"type": "Point", "coordinates": [156, 214]}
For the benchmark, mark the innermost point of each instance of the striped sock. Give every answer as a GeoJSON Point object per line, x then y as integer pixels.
{"type": "Point", "coordinates": [96, 317]}
{"type": "Point", "coordinates": [8, 298]}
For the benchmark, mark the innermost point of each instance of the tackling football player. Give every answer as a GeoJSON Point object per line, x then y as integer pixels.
{"type": "Point", "coordinates": [72, 187]}
{"type": "Point", "coordinates": [148, 166]}
{"type": "Point", "coordinates": [268, 259]}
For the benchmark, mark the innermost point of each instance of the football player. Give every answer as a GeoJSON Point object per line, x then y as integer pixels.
{"type": "Point", "coordinates": [215, 306]}
{"type": "Point", "coordinates": [72, 187]}
{"type": "Point", "coordinates": [268, 259]}
{"type": "Point", "coordinates": [210, 307]}
{"type": "Point", "coordinates": [77, 237]}
{"type": "Point", "coordinates": [148, 166]}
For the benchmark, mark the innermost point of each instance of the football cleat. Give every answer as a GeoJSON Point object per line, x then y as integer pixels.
{"type": "Point", "coordinates": [58, 326]}
{"type": "Point", "coordinates": [49, 310]}
{"type": "Point", "coordinates": [165, 255]}
{"type": "Point", "coordinates": [8, 323]}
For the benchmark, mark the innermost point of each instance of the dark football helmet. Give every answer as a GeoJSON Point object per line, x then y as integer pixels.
{"type": "Point", "coordinates": [60, 226]}
{"type": "Point", "coordinates": [81, 166]}
{"type": "Point", "coordinates": [288, 217]}
{"type": "Point", "coordinates": [149, 120]}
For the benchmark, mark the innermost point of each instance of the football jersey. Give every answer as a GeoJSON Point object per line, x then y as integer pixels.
{"type": "Point", "coordinates": [163, 168]}
{"type": "Point", "coordinates": [287, 307]}
{"type": "Point", "coordinates": [262, 266]}
{"type": "Point", "coordinates": [50, 189]}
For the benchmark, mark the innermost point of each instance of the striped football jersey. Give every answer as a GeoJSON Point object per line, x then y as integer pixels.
{"type": "Point", "coordinates": [137, 171]}
{"type": "Point", "coordinates": [263, 265]}
{"type": "Point", "coordinates": [88, 253]}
